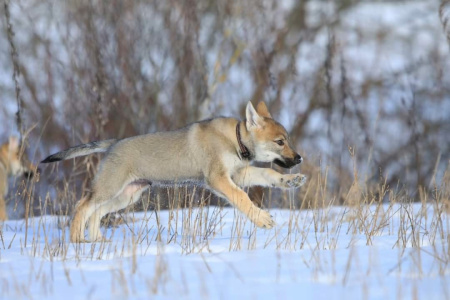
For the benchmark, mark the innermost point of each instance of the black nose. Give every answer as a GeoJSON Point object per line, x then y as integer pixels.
{"type": "Point", "coordinates": [298, 159]}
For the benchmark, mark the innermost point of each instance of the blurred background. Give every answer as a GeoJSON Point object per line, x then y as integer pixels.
{"type": "Point", "coordinates": [360, 85]}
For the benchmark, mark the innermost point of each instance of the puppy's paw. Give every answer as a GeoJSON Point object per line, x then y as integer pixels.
{"type": "Point", "coordinates": [293, 180]}
{"type": "Point", "coordinates": [262, 219]}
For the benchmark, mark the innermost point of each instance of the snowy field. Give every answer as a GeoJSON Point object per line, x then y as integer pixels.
{"type": "Point", "coordinates": [397, 251]}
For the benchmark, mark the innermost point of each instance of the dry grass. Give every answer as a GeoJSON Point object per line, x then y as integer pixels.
{"type": "Point", "coordinates": [191, 225]}
{"type": "Point", "coordinates": [194, 228]}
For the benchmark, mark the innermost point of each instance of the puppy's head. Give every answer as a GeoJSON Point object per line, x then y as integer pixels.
{"type": "Point", "coordinates": [270, 139]}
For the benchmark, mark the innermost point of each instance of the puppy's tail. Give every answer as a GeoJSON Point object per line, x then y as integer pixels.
{"type": "Point", "coordinates": [81, 150]}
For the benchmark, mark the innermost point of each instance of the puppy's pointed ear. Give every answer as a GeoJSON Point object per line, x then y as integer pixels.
{"type": "Point", "coordinates": [13, 144]}
{"type": "Point", "coordinates": [262, 110]}
{"type": "Point", "coordinates": [254, 120]}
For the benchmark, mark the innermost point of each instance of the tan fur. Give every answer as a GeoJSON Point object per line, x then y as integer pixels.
{"type": "Point", "coordinates": [206, 153]}
{"type": "Point", "coordinates": [262, 110]}
{"type": "Point", "coordinates": [12, 163]}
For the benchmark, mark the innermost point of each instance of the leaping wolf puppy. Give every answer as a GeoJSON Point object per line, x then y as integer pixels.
{"type": "Point", "coordinates": [216, 153]}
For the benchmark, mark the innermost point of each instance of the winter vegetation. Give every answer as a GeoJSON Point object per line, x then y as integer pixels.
{"type": "Point", "coordinates": [362, 86]}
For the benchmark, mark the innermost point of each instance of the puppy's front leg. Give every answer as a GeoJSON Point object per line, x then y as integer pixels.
{"type": "Point", "coordinates": [224, 186]}
{"type": "Point", "coordinates": [250, 176]}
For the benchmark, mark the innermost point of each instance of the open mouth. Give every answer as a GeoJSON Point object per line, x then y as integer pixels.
{"type": "Point", "coordinates": [287, 163]}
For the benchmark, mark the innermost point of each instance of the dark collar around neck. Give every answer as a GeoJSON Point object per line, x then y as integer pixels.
{"type": "Point", "coordinates": [245, 153]}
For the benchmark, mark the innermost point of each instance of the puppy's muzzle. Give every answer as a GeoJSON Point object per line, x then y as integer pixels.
{"type": "Point", "coordinates": [289, 162]}
{"type": "Point", "coordinates": [298, 159]}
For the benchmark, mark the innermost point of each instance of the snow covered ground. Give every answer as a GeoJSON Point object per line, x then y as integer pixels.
{"type": "Point", "coordinates": [396, 251]}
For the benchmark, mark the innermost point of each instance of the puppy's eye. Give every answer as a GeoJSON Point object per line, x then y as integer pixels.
{"type": "Point", "coordinates": [280, 142]}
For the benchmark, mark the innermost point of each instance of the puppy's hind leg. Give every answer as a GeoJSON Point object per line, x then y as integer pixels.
{"type": "Point", "coordinates": [105, 187]}
{"type": "Point", "coordinates": [86, 208]}
{"type": "Point", "coordinates": [130, 194]}
{"type": "Point", "coordinates": [82, 212]}
{"type": "Point", "coordinates": [95, 235]}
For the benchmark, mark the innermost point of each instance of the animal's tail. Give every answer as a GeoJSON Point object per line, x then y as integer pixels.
{"type": "Point", "coordinates": [81, 150]}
